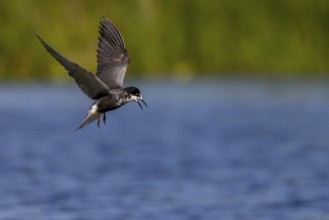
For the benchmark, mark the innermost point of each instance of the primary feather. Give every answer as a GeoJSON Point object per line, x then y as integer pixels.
{"type": "Point", "coordinates": [112, 55]}
{"type": "Point", "coordinates": [90, 84]}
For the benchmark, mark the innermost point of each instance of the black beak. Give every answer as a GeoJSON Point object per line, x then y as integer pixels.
{"type": "Point", "coordinates": [140, 105]}
{"type": "Point", "coordinates": [143, 103]}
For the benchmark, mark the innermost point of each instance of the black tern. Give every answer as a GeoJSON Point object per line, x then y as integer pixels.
{"type": "Point", "coordinates": [106, 87]}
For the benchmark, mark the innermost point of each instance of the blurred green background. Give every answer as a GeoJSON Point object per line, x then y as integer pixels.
{"type": "Point", "coordinates": [170, 38]}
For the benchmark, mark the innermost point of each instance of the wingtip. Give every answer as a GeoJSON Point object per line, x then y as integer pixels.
{"type": "Point", "coordinates": [41, 40]}
{"type": "Point", "coordinates": [103, 18]}
{"type": "Point", "coordinates": [37, 35]}
{"type": "Point", "coordinates": [111, 33]}
{"type": "Point", "coordinates": [104, 21]}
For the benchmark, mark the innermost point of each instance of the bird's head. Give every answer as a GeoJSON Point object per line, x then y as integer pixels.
{"type": "Point", "coordinates": [135, 95]}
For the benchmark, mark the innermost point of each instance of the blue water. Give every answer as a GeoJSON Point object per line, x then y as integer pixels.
{"type": "Point", "coordinates": [226, 150]}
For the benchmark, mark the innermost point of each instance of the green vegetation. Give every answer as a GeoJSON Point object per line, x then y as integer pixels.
{"type": "Point", "coordinates": [169, 38]}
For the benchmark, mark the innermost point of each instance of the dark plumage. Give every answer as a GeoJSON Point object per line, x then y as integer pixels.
{"type": "Point", "coordinates": [106, 87]}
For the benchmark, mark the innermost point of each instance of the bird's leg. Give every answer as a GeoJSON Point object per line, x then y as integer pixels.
{"type": "Point", "coordinates": [104, 118]}
{"type": "Point", "coordinates": [98, 119]}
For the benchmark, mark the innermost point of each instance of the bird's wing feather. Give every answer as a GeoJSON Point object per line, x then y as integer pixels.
{"type": "Point", "coordinates": [90, 84]}
{"type": "Point", "coordinates": [112, 55]}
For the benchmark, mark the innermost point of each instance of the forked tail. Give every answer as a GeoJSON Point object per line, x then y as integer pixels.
{"type": "Point", "coordinates": [92, 116]}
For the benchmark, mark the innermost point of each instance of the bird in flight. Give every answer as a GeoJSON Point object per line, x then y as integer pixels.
{"type": "Point", "coordinates": [106, 87]}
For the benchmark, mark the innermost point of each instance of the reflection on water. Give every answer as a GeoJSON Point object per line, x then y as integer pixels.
{"type": "Point", "coordinates": [224, 150]}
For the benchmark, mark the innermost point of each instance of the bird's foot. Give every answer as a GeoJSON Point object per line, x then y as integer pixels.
{"type": "Point", "coordinates": [98, 120]}
{"type": "Point", "coordinates": [104, 119]}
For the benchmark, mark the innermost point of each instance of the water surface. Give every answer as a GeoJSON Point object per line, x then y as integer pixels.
{"type": "Point", "coordinates": [211, 150]}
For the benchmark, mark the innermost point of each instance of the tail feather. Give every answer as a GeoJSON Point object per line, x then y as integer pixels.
{"type": "Point", "coordinates": [92, 116]}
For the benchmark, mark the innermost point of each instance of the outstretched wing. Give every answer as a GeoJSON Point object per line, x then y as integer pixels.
{"type": "Point", "coordinates": [90, 84]}
{"type": "Point", "coordinates": [112, 55]}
